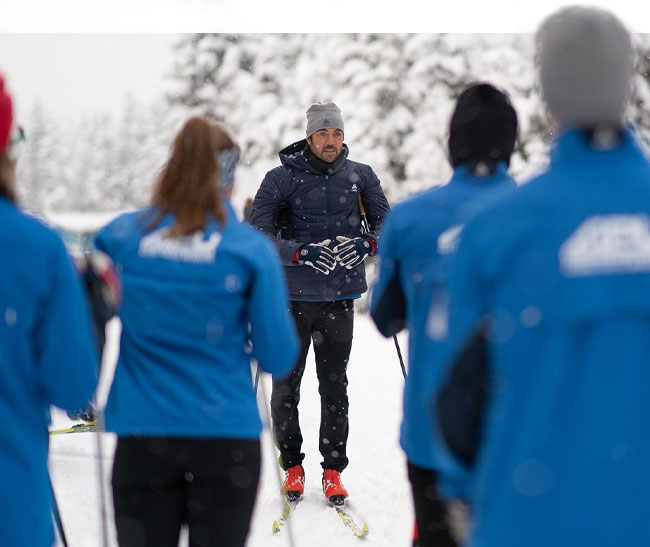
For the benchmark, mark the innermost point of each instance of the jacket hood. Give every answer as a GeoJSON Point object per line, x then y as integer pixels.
{"type": "Point", "coordinates": [292, 156]}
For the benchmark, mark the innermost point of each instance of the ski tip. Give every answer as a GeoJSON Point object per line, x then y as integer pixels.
{"type": "Point", "coordinates": [363, 532]}
{"type": "Point", "coordinates": [276, 527]}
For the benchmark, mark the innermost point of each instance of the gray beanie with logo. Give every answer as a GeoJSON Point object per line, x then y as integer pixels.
{"type": "Point", "coordinates": [322, 116]}
{"type": "Point", "coordinates": [586, 64]}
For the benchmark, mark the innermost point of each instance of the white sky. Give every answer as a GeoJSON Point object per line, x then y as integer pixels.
{"type": "Point", "coordinates": [80, 57]}
{"type": "Point", "coordinates": [301, 16]}
{"type": "Point", "coordinates": [76, 75]}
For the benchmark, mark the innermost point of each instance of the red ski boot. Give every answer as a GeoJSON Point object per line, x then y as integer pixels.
{"type": "Point", "coordinates": [332, 487]}
{"type": "Point", "coordinates": [294, 483]}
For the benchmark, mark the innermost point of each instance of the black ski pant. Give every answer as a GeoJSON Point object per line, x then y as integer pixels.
{"type": "Point", "coordinates": [161, 483]}
{"type": "Point", "coordinates": [330, 325]}
{"type": "Point", "coordinates": [431, 514]}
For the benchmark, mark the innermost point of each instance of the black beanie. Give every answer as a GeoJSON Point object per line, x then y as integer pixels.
{"type": "Point", "coordinates": [483, 126]}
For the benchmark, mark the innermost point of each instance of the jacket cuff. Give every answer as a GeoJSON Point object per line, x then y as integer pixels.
{"type": "Point", "coordinates": [373, 245]}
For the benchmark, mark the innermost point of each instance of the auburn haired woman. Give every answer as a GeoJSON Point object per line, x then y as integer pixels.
{"type": "Point", "coordinates": [198, 284]}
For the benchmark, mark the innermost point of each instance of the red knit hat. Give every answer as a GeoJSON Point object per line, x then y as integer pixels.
{"type": "Point", "coordinates": [6, 116]}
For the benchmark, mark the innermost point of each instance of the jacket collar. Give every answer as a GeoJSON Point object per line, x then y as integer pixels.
{"type": "Point", "coordinates": [462, 175]}
{"type": "Point", "coordinates": [293, 156]}
{"type": "Point", "coordinates": [573, 142]}
{"type": "Point", "coordinates": [211, 225]}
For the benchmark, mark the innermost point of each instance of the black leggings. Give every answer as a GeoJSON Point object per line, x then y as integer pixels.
{"type": "Point", "coordinates": [431, 513]}
{"type": "Point", "coordinates": [160, 483]}
{"type": "Point", "coordinates": [330, 325]}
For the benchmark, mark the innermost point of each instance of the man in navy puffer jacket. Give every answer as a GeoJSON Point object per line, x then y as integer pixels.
{"type": "Point", "coordinates": [310, 205]}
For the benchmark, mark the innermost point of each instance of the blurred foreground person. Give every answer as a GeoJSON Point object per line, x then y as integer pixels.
{"type": "Point", "coordinates": [419, 237]}
{"type": "Point", "coordinates": [46, 352]}
{"type": "Point", "coordinates": [182, 401]}
{"type": "Point", "coordinates": [548, 401]}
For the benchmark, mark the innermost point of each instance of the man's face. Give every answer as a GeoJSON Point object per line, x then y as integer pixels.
{"type": "Point", "coordinates": [326, 144]}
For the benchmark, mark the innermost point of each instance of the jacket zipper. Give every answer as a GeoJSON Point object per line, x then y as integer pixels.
{"type": "Point", "coordinates": [329, 231]}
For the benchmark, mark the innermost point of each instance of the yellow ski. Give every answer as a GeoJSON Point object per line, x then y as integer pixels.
{"type": "Point", "coordinates": [288, 508]}
{"type": "Point", "coordinates": [77, 428]}
{"type": "Point", "coordinates": [360, 532]}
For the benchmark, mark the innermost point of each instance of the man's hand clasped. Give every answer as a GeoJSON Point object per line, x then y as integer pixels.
{"type": "Point", "coordinates": [318, 255]}
{"type": "Point", "coordinates": [349, 253]}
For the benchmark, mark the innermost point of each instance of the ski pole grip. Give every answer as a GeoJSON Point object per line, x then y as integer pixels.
{"type": "Point", "coordinates": [365, 228]}
{"type": "Point", "coordinates": [361, 207]}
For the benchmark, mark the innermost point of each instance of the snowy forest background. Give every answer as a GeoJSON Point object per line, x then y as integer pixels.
{"type": "Point", "coordinates": [396, 92]}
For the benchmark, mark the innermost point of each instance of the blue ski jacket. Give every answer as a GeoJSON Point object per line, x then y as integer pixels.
{"type": "Point", "coordinates": [184, 364]}
{"type": "Point", "coordinates": [418, 239]}
{"type": "Point", "coordinates": [47, 357]}
{"type": "Point", "coordinates": [548, 399]}
{"type": "Point", "coordinates": [322, 206]}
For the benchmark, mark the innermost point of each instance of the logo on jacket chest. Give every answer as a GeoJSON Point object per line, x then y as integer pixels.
{"type": "Point", "coordinates": [354, 188]}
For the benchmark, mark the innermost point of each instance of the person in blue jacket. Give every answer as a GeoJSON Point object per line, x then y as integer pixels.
{"type": "Point", "coordinates": [310, 207]}
{"type": "Point", "coordinates": [182, 403]}
{"type": "Point", "coordinates": [47, 356]}
{"type": "Point", "coordinates": [418, 239]}
{"type": "Point", "coordinates": [548, 397]}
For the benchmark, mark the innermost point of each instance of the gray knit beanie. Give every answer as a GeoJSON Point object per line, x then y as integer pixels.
{"type": "Point", "coordinates": [586, 63]}
{"type": "Point", "coordinates": [321, 116]}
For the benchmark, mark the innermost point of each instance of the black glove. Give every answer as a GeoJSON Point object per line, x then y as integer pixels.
{"type": "Point", "coordinates": [351, 252]}
{"type": "Point", "coordinates": [317, 255]}
{"type": "Point", "coordinates": [103, 288]}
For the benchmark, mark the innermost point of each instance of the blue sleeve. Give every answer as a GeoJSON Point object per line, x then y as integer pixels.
{"type": "Point", "coordinates": [388, 302]}
{"type": "Point", "coordinates": [64, 349]}
{"type": "Point", "coordinates": [273, 332]}
{"type": "Point", "coordinates": [100, 242]}
{"type": "Point", "coordinates": [376, 205]}
{"type": "Point", "coordinates": [460, 405]}
{"type": "Point", "coordinates": [265, 205]}
{"type": "Point", "coordinates": [459, 401]}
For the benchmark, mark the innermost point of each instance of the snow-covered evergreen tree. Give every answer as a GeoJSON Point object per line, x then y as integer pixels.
{"type": "Point", "coordinates": [42, 171]}
{"type": "Point", "coordinates": [396, 91]}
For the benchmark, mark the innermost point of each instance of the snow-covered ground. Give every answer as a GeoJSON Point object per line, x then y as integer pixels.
{"type": "Point", "coordinates": [376, 477]}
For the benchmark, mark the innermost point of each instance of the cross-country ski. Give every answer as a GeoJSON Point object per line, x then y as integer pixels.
{"type": "Point", "coordinates": [76, 428]}
{"type": "Point", "coordinates": [358, 529]}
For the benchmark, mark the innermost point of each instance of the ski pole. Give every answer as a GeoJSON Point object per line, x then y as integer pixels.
{"type": "Point", "coordinates": [98, 406]}
{"type": "Point", "coordinates": [257, 378]}
{"type": "Point", "coordinates": [249, 350]}
{"type": "Point", "coordinates": [57, 515]}
{"type": "Point", "coordinates": [365, 228]}
{"type": "Point", "coordinates": [292, 542]}
{"type": "Point", "coordinates": [399, 354]}
{"type": "Point", "coordinates": [100, 476]}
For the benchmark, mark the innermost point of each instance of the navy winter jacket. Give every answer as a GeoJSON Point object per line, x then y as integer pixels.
{"type": "Point", "coordinates": [322, 206]}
